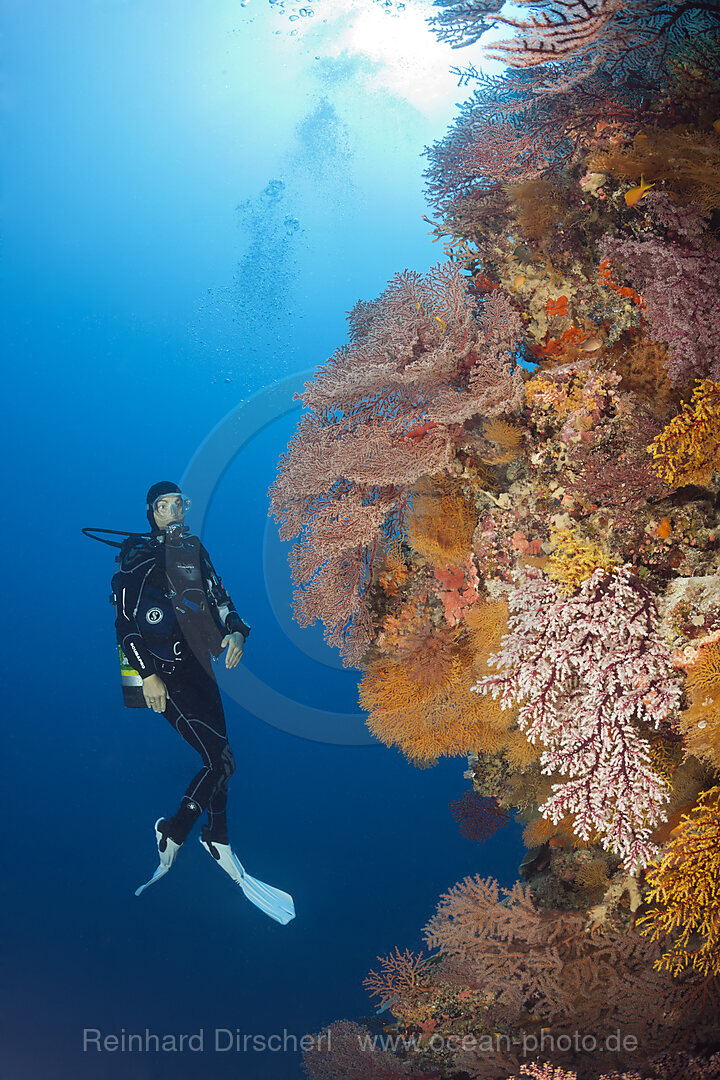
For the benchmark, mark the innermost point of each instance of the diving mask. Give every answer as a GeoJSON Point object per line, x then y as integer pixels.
{"type": "Point", "coordinates": [171, 507]}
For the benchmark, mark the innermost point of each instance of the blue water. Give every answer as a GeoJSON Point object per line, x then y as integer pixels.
{"type": "Point", "coordinates": [194, 197]}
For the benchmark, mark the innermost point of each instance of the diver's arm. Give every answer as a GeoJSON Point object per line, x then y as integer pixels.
{"type": "Point", "coordinates": [235, 645]}
{"type": "Point", "coordinates": [220, 601]}
{"type": "Point", "coordinates": [155, 693]}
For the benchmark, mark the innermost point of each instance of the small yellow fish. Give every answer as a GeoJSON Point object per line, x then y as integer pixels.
{"type": "Point", "coordinates": [442, 324]}
{"type": "Point", "coordinates": [518, 281]}
{"type": "Point", "coordinates": [635, 194]}
{"type": "Point", "coordinates": [716, 125]}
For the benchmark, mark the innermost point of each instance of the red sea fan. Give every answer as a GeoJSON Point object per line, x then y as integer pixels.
{"type": "Point", "coordinates": [572, 39]}
{"type": "Point", "coordinates": [511, 131]}
{"type": "Point", "coordinates": [478, 816]}
{"type": "Point", "coordinates": [383, 412]}
{"type": "Point", "coordinates": [347, 1051]}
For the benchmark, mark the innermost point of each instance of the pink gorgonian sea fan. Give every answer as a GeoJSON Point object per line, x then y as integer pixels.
{"type": "Point", "coordinates": [385, 410]}
{"type": "Point", "coordinates": [592, 678]}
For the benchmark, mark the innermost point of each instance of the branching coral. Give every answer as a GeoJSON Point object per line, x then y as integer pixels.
{"type": "Point", "coordinates": [541, 206]}
{"type": "Point", "coordinates": [400, 973]}
{"type": "Point", "coordinates": [505, 439]}
{"type": "Point", "coordinates": [510, 132]}
{"type": "Point", "coordinates": [685, 904]}
{"type": "Point", "coordinates": [541, 965]}
{"type": "Point", "coordinates": [382, 415]}
{"type": "Point", "coordinates": [677, 1066]}
{"type": "Point", "coordinates": [642, 366]}
{"type": "Point", "coordinates": [575, 38]}
{"type": "Point", "coordinates": [426, 721]}
{"type": "Point", "coordinates": [688, 450]}
{"type": "Point", "coordinates": [588, 669]}
{"type": "Point", "coordinates": [417, 695]}
{"type": "Point", "coordinates": [344, 1051]}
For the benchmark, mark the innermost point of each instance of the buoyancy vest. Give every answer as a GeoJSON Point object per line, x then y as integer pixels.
{"type": "Point", "coordinates": [171, 607]}
{"type": "Point", "coordinates": [185, 574]}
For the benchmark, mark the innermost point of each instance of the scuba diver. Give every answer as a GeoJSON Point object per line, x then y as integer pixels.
{"type": "Point", "coordinates": [172, 615]}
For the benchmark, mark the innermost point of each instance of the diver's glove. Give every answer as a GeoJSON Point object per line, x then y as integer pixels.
{"type": "Point", "coordinates": [167, 850]}
{"type": "Point", "coordinates": [274, 902]}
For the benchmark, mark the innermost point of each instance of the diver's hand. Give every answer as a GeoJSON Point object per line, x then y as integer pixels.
{"type": "Point", "coordinates": [235, 644]}
{"type": "Point", "coordinates": [155, 693]}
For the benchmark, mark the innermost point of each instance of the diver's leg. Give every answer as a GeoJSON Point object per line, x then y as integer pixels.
{"type": "Point", "coordinates": [216, 828]}
{"type": "Point", "coordinates": [195, 711]}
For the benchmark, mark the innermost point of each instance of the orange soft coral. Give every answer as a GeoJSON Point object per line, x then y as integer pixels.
{"type": "Point", "coordinates": [440, 523]}
{"type": "Point", "coordinates": [418, 695]}
{"type": "Point", "coordinates": [425, 720]}
{"type": "Point", "coordinates": [701, 722]}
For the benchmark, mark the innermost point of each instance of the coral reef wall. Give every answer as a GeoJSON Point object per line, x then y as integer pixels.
{"type": "Point", "coordinates": [505, 493]}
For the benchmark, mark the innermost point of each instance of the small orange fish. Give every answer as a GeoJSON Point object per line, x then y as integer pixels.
{"type": "Point", "coordinates": [634, 195]}
{"type": "Point", "coordinates": [518, 281]}
{"type": "Point", "coordinates": [592, 344]}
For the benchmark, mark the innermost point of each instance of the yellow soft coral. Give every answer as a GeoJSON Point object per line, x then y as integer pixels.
{"type": "Point", "coordinates": [575, 559]}
{"type": "Point", "coordinates": [688, 450]}
{"type": "Point", "coordinates": [548, 394]}
{"type": "Point", "coordinates": [684, 892]}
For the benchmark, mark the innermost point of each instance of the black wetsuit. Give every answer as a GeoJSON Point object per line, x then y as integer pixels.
{"type": "Point", "coordinates": [172, 613]}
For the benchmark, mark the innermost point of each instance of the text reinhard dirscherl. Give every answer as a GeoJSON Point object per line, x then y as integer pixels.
{"type": "Point", "coordinates": [217, 1040]}
{"type": "Point", "coordinates": [221, 1040]}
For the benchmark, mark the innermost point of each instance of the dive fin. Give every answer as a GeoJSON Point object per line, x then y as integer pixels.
{"type": "Point", "coordinates": [167, 850]}
{"type": "Point", "coordinates": [274, 902]}
{"type": "Point", "coordinates": [160, 872]}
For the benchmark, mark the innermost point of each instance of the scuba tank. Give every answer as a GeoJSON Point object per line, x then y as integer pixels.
{"type": "Point", "coordinates": [130, 679]}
